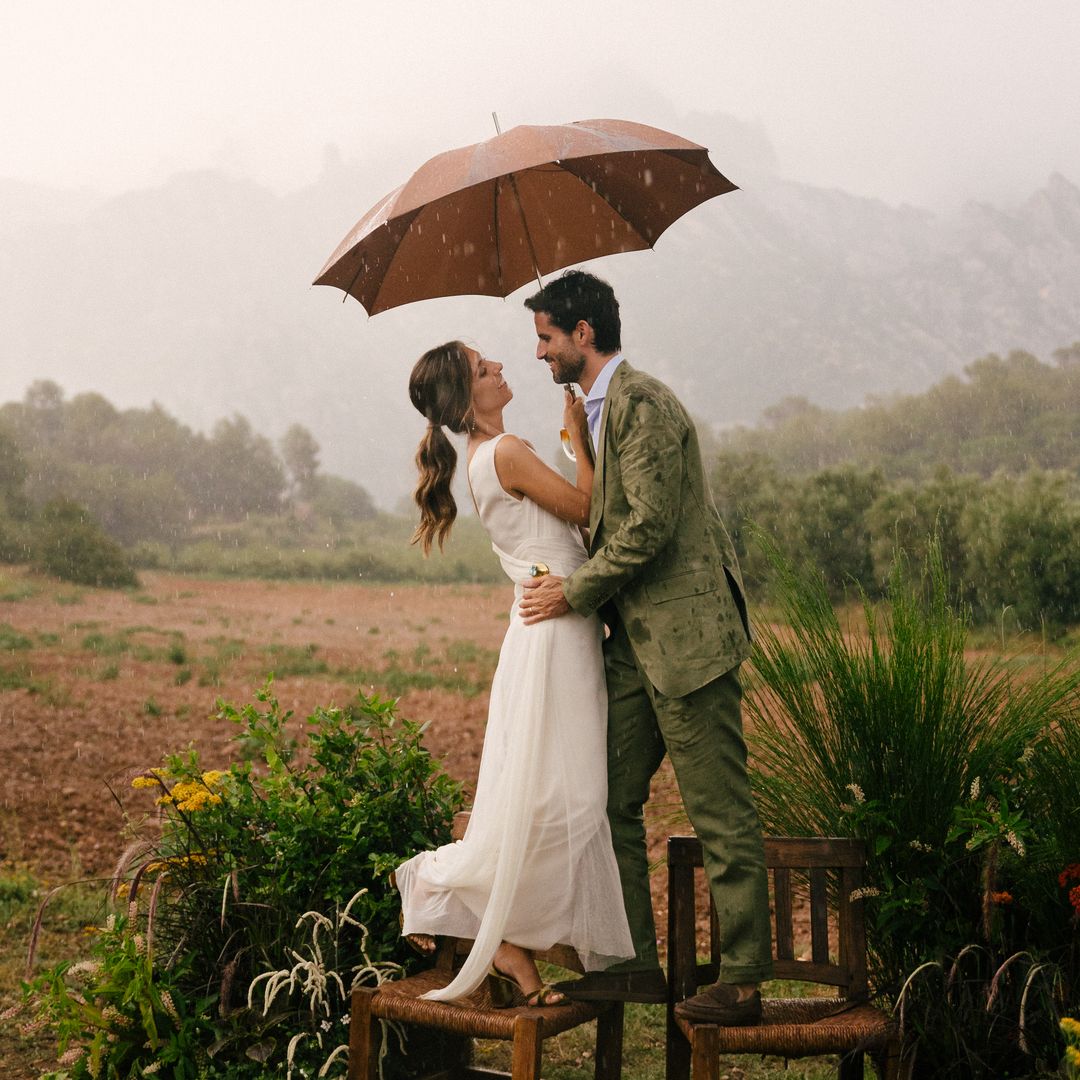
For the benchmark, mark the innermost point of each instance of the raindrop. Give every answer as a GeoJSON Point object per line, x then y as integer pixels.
{"type": "Point", "coordinates": [647, 177]}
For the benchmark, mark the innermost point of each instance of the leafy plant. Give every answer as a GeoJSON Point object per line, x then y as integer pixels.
{"type": "Point", "coordinates": [977, 1016]}
{"type": "Point", "coordinates": [243, 867]}
{"type": "Point", "coordinates": [72, 547]}
{"type": "Point", "coordinates": [888, 731]}
{"type": "Point", "coordinates": [115, 1015]}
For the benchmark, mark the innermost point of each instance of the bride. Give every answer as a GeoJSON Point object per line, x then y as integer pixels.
{"type": "Point", "coordinates": [535, 867]}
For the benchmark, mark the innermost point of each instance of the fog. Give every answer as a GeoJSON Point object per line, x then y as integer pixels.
{"type": "Point", "coordinates": [172, 177]}
{"type": "Point", "coordinates": [927, 102]}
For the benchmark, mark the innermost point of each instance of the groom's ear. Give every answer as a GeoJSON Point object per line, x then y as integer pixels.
{"type": "Point", "coordinates": [583, 333]}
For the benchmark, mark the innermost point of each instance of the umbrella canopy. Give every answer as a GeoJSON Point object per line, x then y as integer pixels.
{"type": "Point", "coordinates": [486, 218]}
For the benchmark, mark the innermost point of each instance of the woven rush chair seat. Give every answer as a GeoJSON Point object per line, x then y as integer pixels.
{"type": "Point", "coordinates": [474, 1015]}
{"type": "Point", "coordinates": [800, 1027]}
{"type": "Point", "coordinates": [827, 872]}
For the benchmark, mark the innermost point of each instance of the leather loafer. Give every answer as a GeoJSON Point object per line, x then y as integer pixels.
{"type": "Point", "coordinates": [648, 987]}
{"type": "Point", "coordinates": [719, 1004]}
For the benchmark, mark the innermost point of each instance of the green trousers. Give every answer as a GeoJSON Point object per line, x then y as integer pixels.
{"type": "Point", "coordinates": [702, 734]}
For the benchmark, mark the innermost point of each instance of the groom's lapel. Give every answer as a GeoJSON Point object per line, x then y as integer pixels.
{"type": "Point", "coordinates": [596, 505]}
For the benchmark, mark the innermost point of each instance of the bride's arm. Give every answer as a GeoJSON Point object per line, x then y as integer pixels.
{"type": "Point", "coordinates": [522, 473]}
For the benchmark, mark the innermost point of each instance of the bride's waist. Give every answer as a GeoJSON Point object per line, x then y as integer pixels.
{"type": "Point", "coordinates": [541, 555]}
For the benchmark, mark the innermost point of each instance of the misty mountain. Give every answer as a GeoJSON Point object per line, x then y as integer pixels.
{"type": "Point", "coordinates": [196, 294]}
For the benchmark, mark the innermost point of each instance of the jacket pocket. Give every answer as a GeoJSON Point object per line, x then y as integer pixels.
{"type": "Point", "coordinates": [680, 586]}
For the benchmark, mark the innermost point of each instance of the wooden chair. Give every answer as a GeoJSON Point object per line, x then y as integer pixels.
{"type": "Point", "coordinates": [476, 1017]}
{"type": "Point", "coordinates": [791, 1027]}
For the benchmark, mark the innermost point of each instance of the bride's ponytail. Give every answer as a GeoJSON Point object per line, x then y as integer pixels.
{"type": "Point", "coordinates": [441, 390]}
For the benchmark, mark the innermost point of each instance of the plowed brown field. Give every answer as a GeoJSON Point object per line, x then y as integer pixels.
{"type": "Point", "coordinates": [95, 686]}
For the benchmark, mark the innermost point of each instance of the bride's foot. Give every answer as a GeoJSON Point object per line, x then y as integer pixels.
{"type": "Point", "coordinates": [513, 963]}
{"type": "Point", "coordinates": [424, 944]}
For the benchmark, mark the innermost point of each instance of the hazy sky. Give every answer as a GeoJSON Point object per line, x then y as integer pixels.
{"type": "Point", "coordinates": [925, 101]}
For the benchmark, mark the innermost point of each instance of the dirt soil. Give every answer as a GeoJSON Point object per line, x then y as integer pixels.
{"type": "Point", "coordinates": [96, 686]}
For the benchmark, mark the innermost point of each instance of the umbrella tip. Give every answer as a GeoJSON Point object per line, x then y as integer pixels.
{"type": "Point", "coordinates": [495, 118]}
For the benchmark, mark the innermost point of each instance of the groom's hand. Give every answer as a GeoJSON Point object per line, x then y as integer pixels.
{"type": "Point", "coordinates": [543, 599]}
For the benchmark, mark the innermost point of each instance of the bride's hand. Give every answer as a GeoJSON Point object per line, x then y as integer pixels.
{"type": "Point", "coordinates": [574, 418]}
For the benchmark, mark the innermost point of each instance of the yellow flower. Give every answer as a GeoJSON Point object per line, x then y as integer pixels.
{"type": "Point", "coordinates": [1072, 1055]}
{"type": "Point", "coordinates": [1071, 1027]}
{"type": "Point", "coordinates": [145, 782]}
{"type": "Point", "coordinates": [198, 800]}
{"type": "Point", "coordinates": [212, 777]}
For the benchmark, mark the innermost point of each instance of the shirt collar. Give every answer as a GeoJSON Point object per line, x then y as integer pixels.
{"type": "Point", "coordinates": [600, 386]}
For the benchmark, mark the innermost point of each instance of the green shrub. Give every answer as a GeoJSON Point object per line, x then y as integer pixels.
{"type": "Point", "coordinates": [1022, 537]}
{"type": "Point", "coordinates": [891, 733]}
{"type": "Point", "coordinates": [70, 546]}
{"type": "Point", "coordinates": [280, 860]}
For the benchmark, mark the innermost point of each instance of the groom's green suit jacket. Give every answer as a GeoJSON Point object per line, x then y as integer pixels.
{"type": "Point", "coordinates": [658, 549]}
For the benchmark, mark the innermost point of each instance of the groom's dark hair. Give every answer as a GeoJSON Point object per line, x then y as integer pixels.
{"type": "Point", "coordinates": [576, 296]}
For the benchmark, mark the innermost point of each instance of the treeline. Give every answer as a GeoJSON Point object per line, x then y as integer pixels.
{"type": "Point", "coordinates": [139, 477]}
{"type": "Point", "coordinates": [145, 476]}
{"type": "Point", "coordinates": [1010, 414]}
{"type": "Point", "coordinates": [989, 463]}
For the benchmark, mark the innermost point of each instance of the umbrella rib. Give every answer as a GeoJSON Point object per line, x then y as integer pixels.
{"type": "Point", "coordinates": [396, 250]}
{"type": "Point", "coordinates": [525, 226]}
{"type": "Point", "coordinates": [495, 219]}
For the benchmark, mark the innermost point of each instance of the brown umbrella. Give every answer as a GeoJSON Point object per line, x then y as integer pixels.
{"type": "Point", "coordinates": [486, 218]}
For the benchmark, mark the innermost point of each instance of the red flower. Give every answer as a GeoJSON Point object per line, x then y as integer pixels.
{"type": "Point", "coordinates": [1005, 897]}
{"type": "Point", "coordinates": [1070, 873]}
{"type": "Point", "coordinates": [1074, 899]}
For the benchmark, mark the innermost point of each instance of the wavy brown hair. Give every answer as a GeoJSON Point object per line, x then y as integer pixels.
{"type": "Point", "coordinates": [440, 387]}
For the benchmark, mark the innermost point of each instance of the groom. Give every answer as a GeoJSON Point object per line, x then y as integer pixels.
{"type": "Point", "coordinates": [662, 573]}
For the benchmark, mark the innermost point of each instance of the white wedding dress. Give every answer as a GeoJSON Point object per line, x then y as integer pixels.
{"type": "Point", "coordinates": [535, 866]}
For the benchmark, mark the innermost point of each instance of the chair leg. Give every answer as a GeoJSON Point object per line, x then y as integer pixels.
{"type": "Point", "coordinates": [526, 1048]}
{"type": "Point", "coordinates": [363, 1036]}
{"type": "Point", "coordinates": [609, 1042]}
{"type": "Point", "coordinates": [677, 1054]}
{"type": "Point", "coordinates": [705, 1053]}
{"type": "Point", "coordinates": [851, 1066]}
{"type": "Point", "coordinates": [893, 1063]}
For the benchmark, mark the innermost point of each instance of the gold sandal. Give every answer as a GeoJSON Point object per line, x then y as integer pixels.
{"type": "Point", "coordinates": [424, 944]}
{"type": "Point", "coordinates": [541, 998]}
{"type": "Point", "coordinates": [503, 991]}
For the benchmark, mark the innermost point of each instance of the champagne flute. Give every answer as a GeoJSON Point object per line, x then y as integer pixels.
{"type": "Point", "coordinates": [564, 435]}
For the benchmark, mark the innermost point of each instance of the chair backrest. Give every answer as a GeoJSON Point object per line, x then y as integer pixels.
{"type": "Point", "coordinates": [823, 870]}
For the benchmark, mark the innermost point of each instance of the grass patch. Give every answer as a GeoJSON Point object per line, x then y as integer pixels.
{"type": "Point", "coordinates": [68, 599]}
{"type": "Point", "coordinates": [11, 640]}
{"type": "Point", "coordinates": [227, 651]}
{"type": "Point", "coordinates": [288, 660]}
{"type": "Point", "coordinates": [22, 677]}
{"type": "Point", "coordinates": [11, 592]}
{"type": "Point", "coordinates": [396, 680]}
{"type": "Point", "coordinates": [71, 911]}
{"type": "Point", "coordinates": [468, 652]}
{"type": "Point", "coordinates": [107, 644]}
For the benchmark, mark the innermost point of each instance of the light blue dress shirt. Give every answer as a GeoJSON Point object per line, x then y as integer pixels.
{"type": "Point", "coordinates": [594, 402]}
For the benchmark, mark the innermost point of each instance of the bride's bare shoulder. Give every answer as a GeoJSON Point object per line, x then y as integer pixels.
{"type": "Point", "coordinates": [512, 446]}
